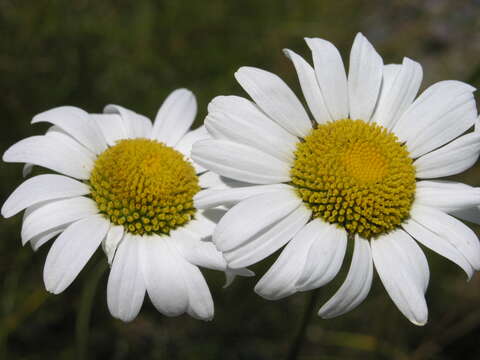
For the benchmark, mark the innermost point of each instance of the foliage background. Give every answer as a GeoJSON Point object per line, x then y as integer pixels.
{"type": "Point", "coordinates": [89, 53]}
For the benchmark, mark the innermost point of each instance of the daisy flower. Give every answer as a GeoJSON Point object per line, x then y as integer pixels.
{"type": "Point", "coordinates": [362, 172]}
{"type": "Point", "coordinates": [129, 186]}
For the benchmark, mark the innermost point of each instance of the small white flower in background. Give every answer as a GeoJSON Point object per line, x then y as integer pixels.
{"type": "Point", "coordinates": [129, 186]}
{"type": "Point", "coordinates": [362, 171]}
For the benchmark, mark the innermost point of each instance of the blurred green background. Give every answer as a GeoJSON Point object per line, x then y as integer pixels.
{"type": "Point", "coordinates": [90, 53]}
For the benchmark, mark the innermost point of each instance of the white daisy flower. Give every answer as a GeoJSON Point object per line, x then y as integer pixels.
{"type": "Point", "coordinates": [361, 171]}
{"type": "Point", "coordinates": [129, 186]}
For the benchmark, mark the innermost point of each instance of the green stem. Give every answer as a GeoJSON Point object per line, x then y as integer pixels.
{"type": "Point", "coordinates": [307, 317]}
{"type": "Point", "coordinates": [85, 309]}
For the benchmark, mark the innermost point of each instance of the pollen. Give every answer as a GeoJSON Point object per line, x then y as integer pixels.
{"type": "Point", "coordinates": [356, 175]}
{"type": "Point", "coordinates": [144, 186]}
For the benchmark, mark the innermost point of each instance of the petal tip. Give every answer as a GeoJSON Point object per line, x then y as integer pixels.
{"type": "Point", "coordinates": [359, 36]}
{"type": "Point", "coordinates": [51, 288]}
{"type": "Point", "coordinates": [207, 317]}
{"type": "Point", "coordinates": [38, 118]}
{"type": "Point", "coordinates": [6, 211]}
{"type": "Point", "coordinates": [124, 317]}
{"type": "Point", "coordinates": [245, 69]}
{"type": "Point", "coordinates": [7, 155]}
{"type": "Point", "coordinates": [182, 91]}
{"type": "Point", "coordinates": [287, 53]}
{"type": "Point", "coordinates": [421, 322]}
{"type": "Point", "coordinates": [110, 109]}
{"type": "Point", "coordinates": [326, 313]}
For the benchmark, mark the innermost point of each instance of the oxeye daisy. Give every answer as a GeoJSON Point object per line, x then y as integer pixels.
{"type": "Point", "coordinates": [362, 171]}
{"type": "Point", "coordinates": [129, 186]}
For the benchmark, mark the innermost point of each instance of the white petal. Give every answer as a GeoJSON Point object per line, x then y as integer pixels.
{"type": "Point", "coordinates": [186, 142]}
{"type": "Point", "coordinates": [210, 179]}
{"type": "Point", "coordinates": [446, 196]}
{"type": "Point", "coordinates": [331, 76]}
{"type": "Point", "coordinates": [310, 88]}
{"type": "Point", "coordinates": [200, 302]}
{"type": "Point", "coordinates": [398, 96]}
{"type": "Point", "coordinates": [37, 241]}
{"type": "Point", "coordinates": [398, 279]}
{"type": "Point", "coordinates": [470, 214]}
{"type": "Point", "coordinates": [59, 153]}
{"type": "Point", "coordinates": [441, 113]}
{"type": "Point", "coordinates": [325, 256]}
{"type": "Point", "coordinates": [173, 284]}
{"type": "Point", "coordinates": [41, 188]}
{"type": "Point", "coordinates": [135, 125]}
{"type": "Point", "coordinates": [279, 281]}
{"type": "Point", "coordinates": [357, 284]}
{"type": "Point", "coordinates": [364, 78]}
{"type": "Point", "coordinates": [451, 159]}
{"type": "Point", "coordinates": [252, 216]}
{"type": "Point", "coordinates": [454, 231]}
{"type": "Point", "coordinates": [163, 272]}
{"type": "Point", "coordinates": [111, 242]}
{"type": "Point", "coordinates": [412, 255]}
{"type": "Point", "coordinates": [126, 285]}
{"type": "Point", "coordinates": [275, 98]}
{"type": "Point", "coordinates": [240, 162]}
{"type": "Point", "coordinates": [76, 123]}
{"type": "Point", "coordinates": [175, 117]}
{"type": "Point", "coordinates": [111, 126]}
{"type": "Point", "coordinates": [239, 120]}
{"type": "Point", "coordinates": [231, 274]}
{"type": "Point", "coordinates": [46, 216]}
{"type": "Point", "coordinates": [269, 241]}
{"type": "Point", "coordinates": [228, 197]}
{"type": "Point", "coordinates": [440, 245]}
{"type": "Point", "coordinates": [27, 169]}
{"type": "Point", "coordinates": [205, 222]}
{"type": "Point", "coordinates": [390, 72]}
{"type": "Point", "coordinates": [71, 251]}
{"type": "Point", "coordinates": [196, 251]}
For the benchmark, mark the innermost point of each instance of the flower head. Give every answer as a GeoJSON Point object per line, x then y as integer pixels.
{"type": "Point", "coordinates": [129, 186]}
{"type": "Point", "coordinates": [360, 171]}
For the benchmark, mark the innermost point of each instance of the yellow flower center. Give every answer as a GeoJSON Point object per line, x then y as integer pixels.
{"type": "Point", "coordinates": [145, 186]}
{"type": "Point", "coordinates": [356, 175]}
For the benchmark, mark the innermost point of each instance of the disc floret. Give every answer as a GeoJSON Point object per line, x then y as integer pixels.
{"type": "Point", "coordinates": [144, 186]}
{"type": "Point", "coordinates": [356, 175]}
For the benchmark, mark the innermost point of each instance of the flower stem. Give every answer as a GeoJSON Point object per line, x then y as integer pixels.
{"type": "Point", "coordinates": [307, 317]}
{"type": "Point", "coordinates": [85, 309]}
